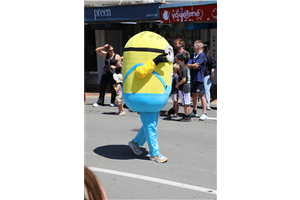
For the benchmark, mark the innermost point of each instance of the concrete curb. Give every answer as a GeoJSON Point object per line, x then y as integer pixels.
{"type": "Point", "coordinates": [96, 95]}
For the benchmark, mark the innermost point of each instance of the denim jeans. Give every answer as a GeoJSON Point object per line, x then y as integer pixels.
{"type": "Point", "coordinates": [207, 85]}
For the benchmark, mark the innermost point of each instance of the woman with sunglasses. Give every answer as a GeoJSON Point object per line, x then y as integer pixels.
{"type": "Point", "coordinates": [112, 65]}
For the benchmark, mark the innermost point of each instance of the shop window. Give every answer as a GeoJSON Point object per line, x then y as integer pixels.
{"type": "Point", "coordinates": [90, 59]}
{"type": "Point", "coordinates": [180, 30]}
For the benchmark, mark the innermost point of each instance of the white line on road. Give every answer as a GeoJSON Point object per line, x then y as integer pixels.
{"type": "Point", "coordinates": [211, 118]}
{"type": "Point", "coordinates": [157, 180]}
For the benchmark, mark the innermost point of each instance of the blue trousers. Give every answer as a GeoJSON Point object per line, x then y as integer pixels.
{"type": "Point", "coordinates": [207, 85]}
{"type": "Point", "coordinates": [148, 132]}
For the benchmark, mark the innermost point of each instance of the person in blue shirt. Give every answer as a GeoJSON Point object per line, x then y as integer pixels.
{"type": "Point", "coordinates": [196, 65]}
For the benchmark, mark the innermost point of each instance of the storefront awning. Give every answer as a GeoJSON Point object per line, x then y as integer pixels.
{"type": "Point", "coordinates": [122, 13]}
{"type": "Point", "coordinates": [197, 26]}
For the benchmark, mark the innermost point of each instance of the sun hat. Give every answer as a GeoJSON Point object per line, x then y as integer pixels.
{"type": "Point", "coordinates": [118, 77]}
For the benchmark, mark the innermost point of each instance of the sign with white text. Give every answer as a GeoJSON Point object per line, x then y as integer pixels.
{"type": "Point", "coordinates": [122, 13]}
{"type": "Point", "coordinates": [189, 14]}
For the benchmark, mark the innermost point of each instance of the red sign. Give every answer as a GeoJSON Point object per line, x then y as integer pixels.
{"type": "Point", "coordinates": [189, 14]}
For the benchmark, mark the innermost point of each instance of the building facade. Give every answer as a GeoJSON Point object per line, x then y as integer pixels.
{"type": "Point", "coordinates": [115, 24]}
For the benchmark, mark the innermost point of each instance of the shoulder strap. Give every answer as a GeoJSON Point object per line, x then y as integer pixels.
{"type": "Point", "coordinates": [154, 73]}
{"type": "Point", "coordinates": [131, 70]}
{"type": "Point", "coordinates": [160, 78]}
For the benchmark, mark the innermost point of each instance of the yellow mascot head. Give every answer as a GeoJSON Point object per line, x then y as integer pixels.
{"type": "Point", "coordinates": [146, 82]}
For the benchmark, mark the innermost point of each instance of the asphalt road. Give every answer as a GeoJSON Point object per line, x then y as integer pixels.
{"type": "Point", "coordinates": [191, 147]}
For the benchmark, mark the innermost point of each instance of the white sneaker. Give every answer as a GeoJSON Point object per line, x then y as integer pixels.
{"type": "Point", "coordinates": [96, 105]}
{"type": "Point", "coordinates": [159, 158]}
{"type": "Point", "coordinates": [203, 117]}
{"type": "Point", "coordinates": [208, 108]}
{"type": "Point", "coordinates": [122, 113]}
{"type": "Point", "coordinates": [112, 105]}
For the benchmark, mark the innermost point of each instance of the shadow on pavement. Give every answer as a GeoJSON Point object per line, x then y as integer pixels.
{"type": "Point", "coordinates": [172, 118]}
{"type": "Point", "coordinates": [110, 113]}
{"type": "Point", "coordinates": [163, 113]}
{"type": "Point", "coordinates": [90, 104]}
{"type": "Point", "coordinates": [120, 152]}
{"type": "Point", "coordinates": [212, 107]}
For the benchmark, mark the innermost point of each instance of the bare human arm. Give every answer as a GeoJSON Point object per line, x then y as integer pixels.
{"type": "Point", "coordinates": [180, 82]}
{"type": "Point", "coordinates": [100, 51]}
{"type": "Point", "coordinates": [193, 66]}
{"type": "Point", "coordinates": [118, 59]}
{"type": "Point", "coordinates": [116, 87]}
{"type": "Point", "coordinates": [212, 76]}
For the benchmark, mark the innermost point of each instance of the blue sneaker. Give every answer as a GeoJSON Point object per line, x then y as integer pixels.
{"type": "Point", "coordinates": [135, 148]}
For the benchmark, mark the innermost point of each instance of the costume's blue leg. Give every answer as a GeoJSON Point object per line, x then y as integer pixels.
{"type": "Point", "coordinates": [140, 138]}
{"type": "Point", "coordinates": [149, 121]}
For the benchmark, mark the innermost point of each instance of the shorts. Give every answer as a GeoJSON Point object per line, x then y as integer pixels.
{"type": "Point", "coordinates": [185, 98]}
{"type": "Point", "coordinates": [119, 100]}
{"type": "Point", "coordinates": [174, 97]}
{"type": "Point", "coordinates": [197, 87]}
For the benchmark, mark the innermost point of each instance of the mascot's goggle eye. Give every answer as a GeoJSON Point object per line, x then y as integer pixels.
{"type": "Point", "coordinates": [168, 50]}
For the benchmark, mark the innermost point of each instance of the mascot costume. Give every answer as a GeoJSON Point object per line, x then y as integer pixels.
{"type": "Point", "coordinates": [147, 71]}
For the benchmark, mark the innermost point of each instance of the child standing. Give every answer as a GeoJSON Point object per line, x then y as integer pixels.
{"type": "Point", "coordinates": [184, 87]}
{"type": "Point", "coordinates": [174, 91]}
{"type": "Point", "coordinates": [118, 88]}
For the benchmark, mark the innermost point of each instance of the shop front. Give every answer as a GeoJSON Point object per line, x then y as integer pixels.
{"type": "Point", "coordinates": [113, 25]}
{"type": "Point", "coordinates": [190, 21]}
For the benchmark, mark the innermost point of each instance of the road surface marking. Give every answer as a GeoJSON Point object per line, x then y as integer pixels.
{"type": "Point", "coordinates": [211, 118]}
{"type": "Point", "coordinates": [157, 180]}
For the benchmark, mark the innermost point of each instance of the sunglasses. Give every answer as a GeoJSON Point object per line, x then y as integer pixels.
{"type": "Point", "coordinates": [111, 50]}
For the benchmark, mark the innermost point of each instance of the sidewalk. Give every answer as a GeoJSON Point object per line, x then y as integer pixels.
{"type": "Point", "coordinates": [213, 93]}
